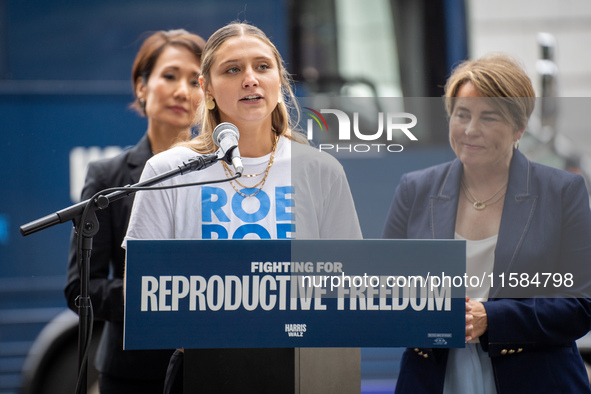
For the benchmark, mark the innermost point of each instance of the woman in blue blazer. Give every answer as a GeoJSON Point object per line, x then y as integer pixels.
{"type": "Point", "coordinates": [517, 217]}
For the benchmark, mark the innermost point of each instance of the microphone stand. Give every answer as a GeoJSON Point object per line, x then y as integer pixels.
{"type": "Point", "coordinates": [86, 223]}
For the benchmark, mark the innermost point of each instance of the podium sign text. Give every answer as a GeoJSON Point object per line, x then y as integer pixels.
{"type": "Point", "coordinates": [294, 293]}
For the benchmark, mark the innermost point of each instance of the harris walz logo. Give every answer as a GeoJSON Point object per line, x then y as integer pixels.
{"type": "Point", "coordinates": [395, 124]}
{"type": "Point", "coordinates": [295, 330]}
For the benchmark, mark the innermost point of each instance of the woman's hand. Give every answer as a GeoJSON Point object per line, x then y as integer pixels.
{"type": "Point", "coordinates": [476, 319]}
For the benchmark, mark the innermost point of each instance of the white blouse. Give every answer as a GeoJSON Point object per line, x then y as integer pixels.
{"type": "Point", "coordinates": [469, 370]}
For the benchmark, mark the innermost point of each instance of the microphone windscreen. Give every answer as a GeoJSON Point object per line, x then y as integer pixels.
{"type": "Point", "coordinates": [223, 128]}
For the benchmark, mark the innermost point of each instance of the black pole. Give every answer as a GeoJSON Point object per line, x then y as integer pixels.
{"type": "Point", "coordinates": [84, 315]}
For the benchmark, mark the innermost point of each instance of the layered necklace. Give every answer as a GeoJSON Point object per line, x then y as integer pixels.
{"type": "Point", "coordinates": [481, 204]}
{"type": "Point", "coordinates": [259, 185]}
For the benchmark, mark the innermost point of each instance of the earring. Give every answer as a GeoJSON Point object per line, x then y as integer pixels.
{"type": "Point", "coordinates": [209, 103]}
{"type": "Point", "coordinates": [142, 105]}
{"type": "Point", "coordinates": [516, 144]}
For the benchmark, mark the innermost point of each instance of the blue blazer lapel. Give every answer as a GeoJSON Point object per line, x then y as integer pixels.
{"type": "Point", "coordinates": [444, 205]}
{"type": "Point", "coordinates": [518, 212]}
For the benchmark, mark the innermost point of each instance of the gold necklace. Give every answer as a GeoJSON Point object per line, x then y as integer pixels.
{"type": "Point", "coordinates": [261, 183]}
{"type": "Point", "coordinates": [478, 204]}
{"type": "Point", "coordinates": [253, 175]}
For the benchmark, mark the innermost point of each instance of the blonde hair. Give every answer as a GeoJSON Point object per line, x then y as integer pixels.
{"type": "Point", "coordinates": [283, 124]}
{"type": "Point", "coordinates": [495, 75]}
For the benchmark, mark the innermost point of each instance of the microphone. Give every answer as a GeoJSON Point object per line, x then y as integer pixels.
{"type": "Point", "coordinates": [225, 136]}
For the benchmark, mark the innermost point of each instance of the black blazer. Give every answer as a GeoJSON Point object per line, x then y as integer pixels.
{"type": "Point", "coordinates": [107, 267]}
{"type": "Point", "coordinates": [545, 228]}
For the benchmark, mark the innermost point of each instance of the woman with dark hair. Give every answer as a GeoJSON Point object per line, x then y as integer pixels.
{"type": "Point", "coordinates": [288, 189]}
{"type": "Point", "coordinates": [165, 78]}
{"type": "Point", "coordinates": [520, 219]}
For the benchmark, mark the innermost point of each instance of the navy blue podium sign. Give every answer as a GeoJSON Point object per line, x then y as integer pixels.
{"type": "Point", "coordinates": [294, 293]}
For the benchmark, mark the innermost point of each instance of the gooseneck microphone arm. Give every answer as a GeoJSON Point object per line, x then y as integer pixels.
{"type": "Point", "coordinates": [101, 202]}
